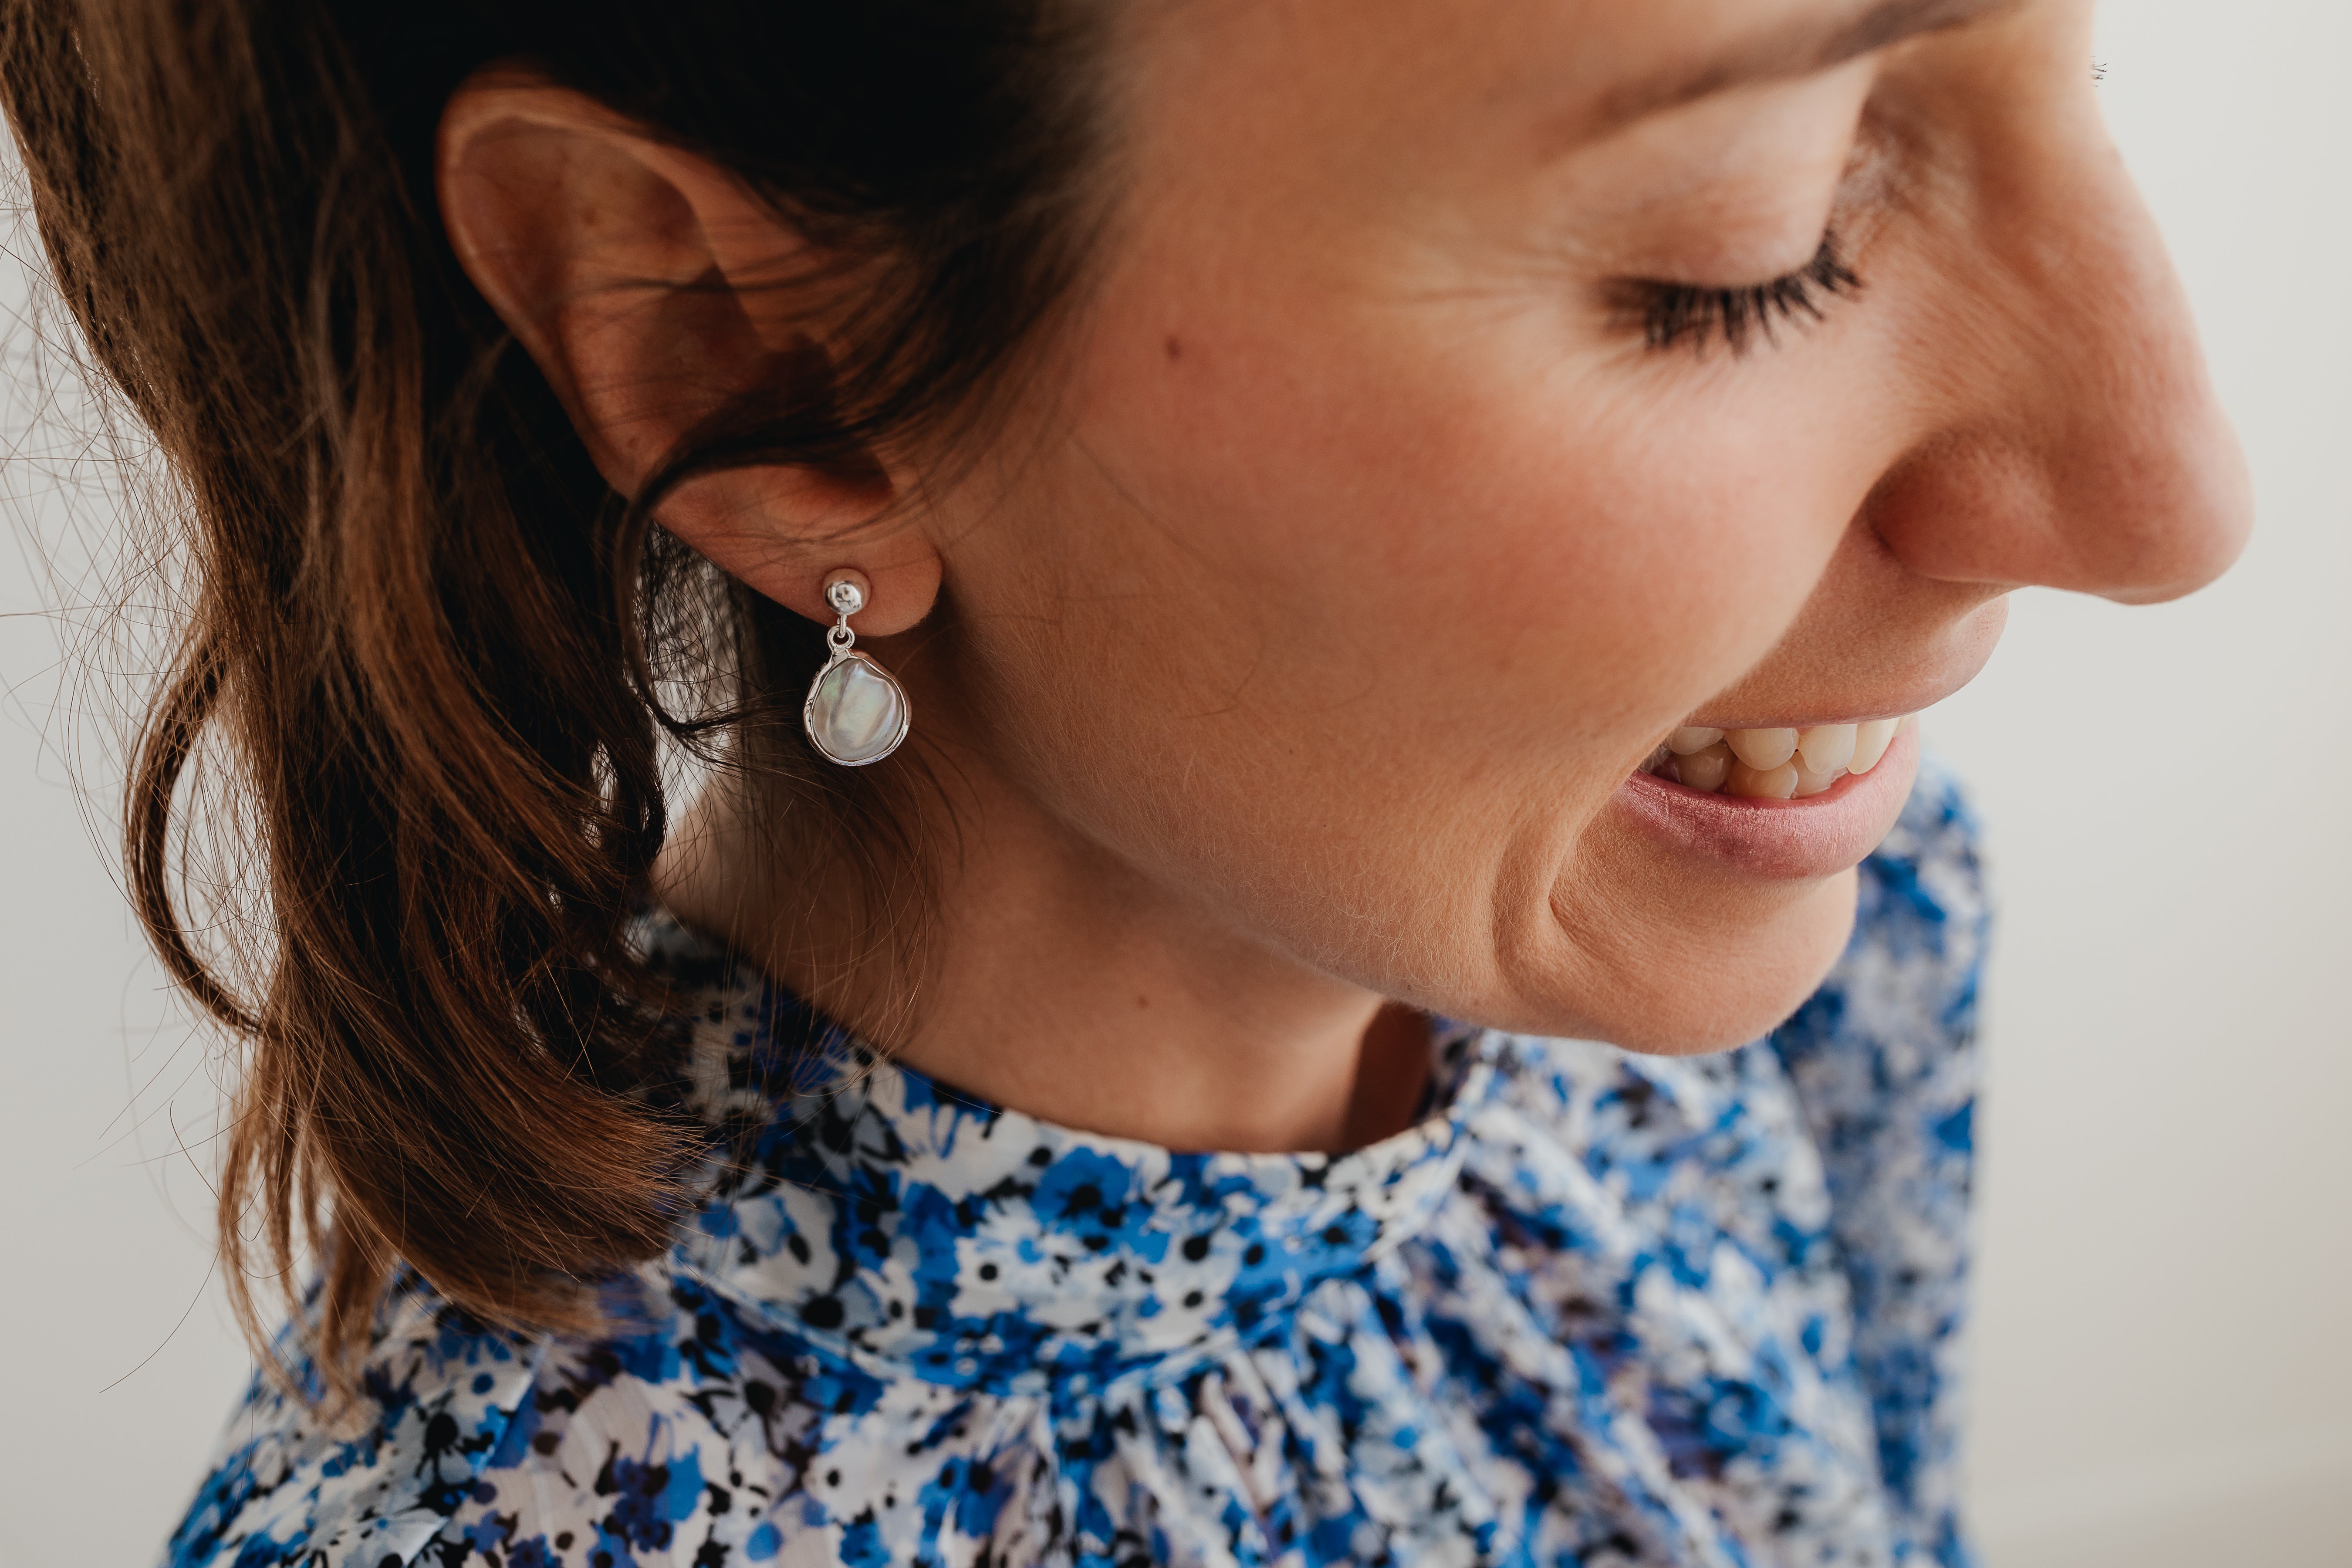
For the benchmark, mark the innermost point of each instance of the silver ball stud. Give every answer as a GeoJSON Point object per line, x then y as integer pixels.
{"type": "Point", "coordinates": [846, 594]}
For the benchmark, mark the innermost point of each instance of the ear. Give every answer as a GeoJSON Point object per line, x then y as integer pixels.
{"type": "Point", "coordinates": [643, 281]}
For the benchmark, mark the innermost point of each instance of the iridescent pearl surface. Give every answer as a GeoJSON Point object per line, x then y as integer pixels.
{"type": "Point", "coordinates": [856, 712]}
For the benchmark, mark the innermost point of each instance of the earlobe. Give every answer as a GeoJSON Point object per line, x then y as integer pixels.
{"type": "Point", "coordinates": [624, 267]}
{"type": "Point", "coordinates": [902, 570]}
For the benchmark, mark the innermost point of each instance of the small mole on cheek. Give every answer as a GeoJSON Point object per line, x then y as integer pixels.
{"type": "Point", "coordinates": [1143, 1002]}
{"type": "Point", "coordinates": [1175, 349]}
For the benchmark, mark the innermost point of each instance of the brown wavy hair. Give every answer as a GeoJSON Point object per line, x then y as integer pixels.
{"type": "Point", "coordinates": [436, 653]}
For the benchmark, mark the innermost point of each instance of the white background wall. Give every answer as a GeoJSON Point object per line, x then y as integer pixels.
{"type": "Point", "coordinates": [2164, 1343]}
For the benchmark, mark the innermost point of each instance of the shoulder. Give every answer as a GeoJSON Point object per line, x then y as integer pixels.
{"type": "Point", "coordinates": [298, 1480]}
{"type": "Point", "coordinates": [676, 1436]}
{"type": "Point", "coordinates": [466, 1440]}
{"type": "Point", "coordinates": [687, 1434]}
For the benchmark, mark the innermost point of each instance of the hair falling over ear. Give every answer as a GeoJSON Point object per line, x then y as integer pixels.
{"type": "Point", "coordinates": [424, 633]}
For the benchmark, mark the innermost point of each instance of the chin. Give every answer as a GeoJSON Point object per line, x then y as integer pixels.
{"type": "Point", "coordinates": [1685, 992]}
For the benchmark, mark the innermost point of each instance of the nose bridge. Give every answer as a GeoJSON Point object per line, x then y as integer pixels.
{"type": "Point", "coordinates": [2085, 447]}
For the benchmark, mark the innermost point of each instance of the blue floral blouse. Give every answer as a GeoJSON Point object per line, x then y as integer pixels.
{"type": "Point", "coordinates": [1595, 1309]}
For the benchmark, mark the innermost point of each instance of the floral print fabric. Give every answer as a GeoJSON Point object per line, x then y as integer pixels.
{"type": "Point", "coordinates": [1596, 1308]}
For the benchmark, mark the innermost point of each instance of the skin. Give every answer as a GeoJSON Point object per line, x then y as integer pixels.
{"type": "Point", "coordinates": [1287, 652]}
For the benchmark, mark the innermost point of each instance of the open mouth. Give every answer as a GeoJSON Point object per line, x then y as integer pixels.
{"type": "Point", "coordinates": [1786, 763]}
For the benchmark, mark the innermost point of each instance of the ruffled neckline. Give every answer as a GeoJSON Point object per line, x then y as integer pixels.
{"type": "Point", "coordinates": [922, 1231]}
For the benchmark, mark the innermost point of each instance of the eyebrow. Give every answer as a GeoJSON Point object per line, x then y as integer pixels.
{"type": "Point", "coordinates": [1790, 52]}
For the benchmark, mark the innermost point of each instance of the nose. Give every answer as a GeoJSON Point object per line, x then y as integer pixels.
{"type": "Point", "coordinates": [2079, 444]}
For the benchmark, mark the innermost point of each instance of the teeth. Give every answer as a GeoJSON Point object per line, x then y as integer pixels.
{"type": "Point", "coordinates": [1810, 782]}
{"type": "Point", "coordinates": [1762, 783]}
{"type": "Point", "coordinates": [1706, 770]}
{"type": "Point", "coordinates": [1871, 741]}
{"type": "Point", "coordinates": [1763, 749]}
{"type": "Point", "coordinates": [1826, 749]}
{"type": "Point", "coordinates": [1773, 763]}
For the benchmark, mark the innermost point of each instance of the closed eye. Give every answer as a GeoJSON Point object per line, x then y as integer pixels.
{"type": "Point", "coordinates": [1687, 315]}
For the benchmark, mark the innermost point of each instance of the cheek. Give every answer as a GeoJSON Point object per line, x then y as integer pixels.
{"type": "Point", "coordinates": [1597, 550]}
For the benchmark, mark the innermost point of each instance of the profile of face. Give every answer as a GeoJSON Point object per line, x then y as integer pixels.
{"type": "Point", "coordinates": [1464, 399]}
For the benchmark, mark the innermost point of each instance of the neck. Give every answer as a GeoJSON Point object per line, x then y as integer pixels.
{"type": "Point", "coordinates": [1054, 979]}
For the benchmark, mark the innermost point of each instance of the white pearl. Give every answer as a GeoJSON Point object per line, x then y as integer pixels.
{"type": "Point", "coordinates": [856, 712]}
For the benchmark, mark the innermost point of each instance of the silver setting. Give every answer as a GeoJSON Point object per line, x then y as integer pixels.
{"type": "Point", "coordinates": [847, 597]}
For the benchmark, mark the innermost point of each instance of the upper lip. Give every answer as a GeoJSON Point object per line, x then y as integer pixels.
{"type": "Point", "coordinates": [1708, 722]}
{"type": "Point", "coordinates": [1881, 704]}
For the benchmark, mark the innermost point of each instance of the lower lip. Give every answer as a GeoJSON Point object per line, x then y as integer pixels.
{"type": "Point", "coordinates": [1785, 840]}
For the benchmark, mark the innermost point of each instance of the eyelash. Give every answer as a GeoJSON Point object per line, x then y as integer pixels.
{"type": "Point", "coordinates": [1680, 315]}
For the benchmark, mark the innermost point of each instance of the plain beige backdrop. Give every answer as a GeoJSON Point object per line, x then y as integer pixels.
{"type": "Point", "coordinates": [2163, 1340]}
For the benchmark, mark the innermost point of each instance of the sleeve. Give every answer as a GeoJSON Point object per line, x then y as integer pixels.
{"type": "Point", "coordinates": [294, 1480]}
{"type": "Point", "coordinates": [1885, 1062]}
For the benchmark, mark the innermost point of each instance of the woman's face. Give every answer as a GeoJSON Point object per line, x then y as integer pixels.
{"type": "Point", "coordinates": [1377, 543]}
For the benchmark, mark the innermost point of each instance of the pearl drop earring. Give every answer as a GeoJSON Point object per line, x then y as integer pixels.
{"type": "Point", "coordinates": [857, 711]}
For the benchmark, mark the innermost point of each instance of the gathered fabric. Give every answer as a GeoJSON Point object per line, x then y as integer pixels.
{"type": "Point", "coordinates": [1592, 1308]}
